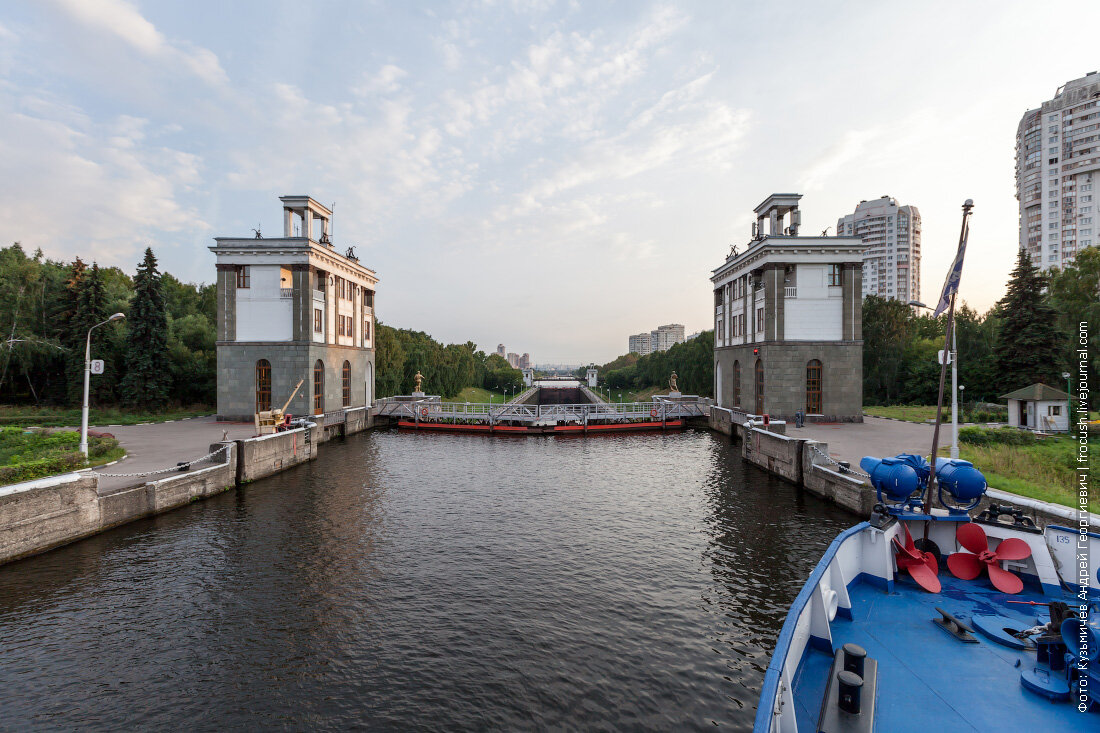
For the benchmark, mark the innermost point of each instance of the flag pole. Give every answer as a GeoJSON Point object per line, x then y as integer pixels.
{"type": "Point", "coordinates": [951, 290]}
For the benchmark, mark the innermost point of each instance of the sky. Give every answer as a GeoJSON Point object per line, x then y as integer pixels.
{"type": "Point", "coordinates": [554, 176]}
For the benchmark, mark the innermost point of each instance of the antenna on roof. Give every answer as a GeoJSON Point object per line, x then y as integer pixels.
{"type": "Point", "coordinates": [825, 231]}
{"type": "Point", "coordinates": [259, 235]}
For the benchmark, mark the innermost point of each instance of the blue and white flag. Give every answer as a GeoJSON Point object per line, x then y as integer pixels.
{"type": "Point", "coordinates": [954, 275]}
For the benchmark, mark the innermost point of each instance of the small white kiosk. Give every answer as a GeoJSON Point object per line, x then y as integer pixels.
{"type": "Point", "coordinates": [1038, 407]}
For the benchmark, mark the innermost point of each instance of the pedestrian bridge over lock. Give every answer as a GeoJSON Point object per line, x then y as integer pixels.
{"type": "Point", "coordinates": [521, 415]}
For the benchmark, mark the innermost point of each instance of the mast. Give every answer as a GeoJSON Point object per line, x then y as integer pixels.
{"type": "Point", "coordinates": [950, 292]}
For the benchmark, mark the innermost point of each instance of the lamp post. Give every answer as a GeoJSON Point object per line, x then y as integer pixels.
{"type": "Point", "coordinates": [953, 358]}
{"type": "Point", "coordinates": [1069, 405]}
{"type": "Point", "coordinates": [87, 382]}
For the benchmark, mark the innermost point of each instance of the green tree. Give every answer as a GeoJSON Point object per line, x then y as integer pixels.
{"type": "Point", "coordinates": [888, 329]}
{"type": "Point", "coordinates": [147, 364]}
{"type": "Point", "coordinates": [1075, 293]}
{"type": "Point", "coordinates": [1028, 348]}
{"type": "Point", "coordinates": [89, 308]}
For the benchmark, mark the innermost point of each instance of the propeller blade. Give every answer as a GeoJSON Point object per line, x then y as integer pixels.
{"type": "Point", "coordinates": [910, 546]}
{"type": "Point", "coordinates": [972, 537]}
{"type": "Point", "coordinates": [906, 552]}
{"type": "Point", "coordinates": [924, 577]}
{"type": "Point", "coordinates": [930, 562]}
{"type": "Point", "coordinates": [964, 565]}
{"type": "Point", "coordinates": [1003, 580]}
{"type": "Point", "coordinates": [1013, 548]}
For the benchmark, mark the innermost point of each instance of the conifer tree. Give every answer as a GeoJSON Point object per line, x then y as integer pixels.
{"type": "Point", "coordinates": [1028, 348]}
{"type": "Point", "coordinates": [147, 369]}
{"type": "Point", "coordinates": [89, 308]}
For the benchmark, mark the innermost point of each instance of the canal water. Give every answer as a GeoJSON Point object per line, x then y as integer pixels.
{"type": "Point", "coordinates": [427, 582]}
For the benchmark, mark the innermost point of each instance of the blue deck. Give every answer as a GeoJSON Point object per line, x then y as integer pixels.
{"type": "Point", "coordinates": [929, 681]}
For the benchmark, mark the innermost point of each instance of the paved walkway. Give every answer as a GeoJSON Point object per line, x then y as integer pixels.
{"type": "Point", "coordinates": [875, 436]}
{"type": "Point", "coordinates": [161, 445]}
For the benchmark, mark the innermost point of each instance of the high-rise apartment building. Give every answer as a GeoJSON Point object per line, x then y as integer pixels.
{"type": "Point", "coordinates": [639, 344]}
{"type": "Point", "coordinates": [665, 336]}
{"type": "Point", "coordinates": [525, 361]}
{"type": "Point", "coordinates": [891, 238]}
{"type": "Point", "coordinates": [1057, 171]}
{"type": "Point", "coordinates": [513, 359]}
{"type": "Point", "coordinates": [661, 339]}
{"type": "Point", "coordinates": [500, 349]}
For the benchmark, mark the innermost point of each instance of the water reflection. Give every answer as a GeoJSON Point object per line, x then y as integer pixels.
{"type": "Point", "coordinates": [427, 582]}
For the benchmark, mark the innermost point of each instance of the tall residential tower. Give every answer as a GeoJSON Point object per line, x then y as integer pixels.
{"type": "Point", "coordinates": [1057, 169]}
{"type": "Point", "coordinates": [891, 238]}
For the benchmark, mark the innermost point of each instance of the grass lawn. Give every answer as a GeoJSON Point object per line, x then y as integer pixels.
{"type": "Point", "coordinates": [925, 413]}
{"type": "Point", "coordinates": [1043, 470]}
{"type": "Point", "coordinates": [38, 416]}
{"type": "Point", "coordinates": [909, 413]}
{"type": "Point", "coordinates": [477, 394]}
{"type": "Point", "coordinates": [29, 454]}
{"type": "Point", "coordinates": [625, 395]}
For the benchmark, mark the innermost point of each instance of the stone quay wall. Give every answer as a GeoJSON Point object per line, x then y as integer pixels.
{"type": "Point", "coordinates": [37, 516]}
{"type": "Point", "coordinates": [799, 461]}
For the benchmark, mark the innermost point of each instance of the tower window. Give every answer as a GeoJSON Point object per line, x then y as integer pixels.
{"type": "Point", "coordinates": [263, 385]}
{"type": "Point", "coordinates": [318, 387]}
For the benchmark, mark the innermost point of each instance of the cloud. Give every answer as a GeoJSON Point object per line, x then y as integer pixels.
{"type": "Point", "coordinates": [853, 145]}
{"type": "Point", "coordinates": [121, 20]}
{"type": "Point", "coordinates": [385, 81]}
{"type": "Point", "coordinates": [90, 189]}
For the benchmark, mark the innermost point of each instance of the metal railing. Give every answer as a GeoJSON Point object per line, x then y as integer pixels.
{"type": "Point", "coordinates": [790, 292]}
{"type": "Point", "coordinates": [286, 292]}
{"type": "Point", "coordinates": [662, 410]}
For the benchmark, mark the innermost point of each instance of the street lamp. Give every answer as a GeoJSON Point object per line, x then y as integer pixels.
{"type": "Point", "coordinates": [953, 357]}
{"type": "Point", "coordinates": [1069, 404]}
{"type": "Point", "coordinates": [87, 382]}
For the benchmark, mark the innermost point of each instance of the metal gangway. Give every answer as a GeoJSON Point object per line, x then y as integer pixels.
{"type": "Point", "coordinates": [435, 411]}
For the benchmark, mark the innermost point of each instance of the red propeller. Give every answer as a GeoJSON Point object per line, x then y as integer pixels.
{"type": "Point", "coordinates": [968, 565]}
{"type": "Point", "coordinates": [922, 566]}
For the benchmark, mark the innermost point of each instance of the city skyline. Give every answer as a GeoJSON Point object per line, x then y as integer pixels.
{"type": "Point", "coordinates": [459, 144]}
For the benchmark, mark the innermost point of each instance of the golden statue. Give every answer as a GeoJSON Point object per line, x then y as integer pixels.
{"type": "Point", "coordinates": [419, 378]}
{"type": "Point", "coordinates": [672, 383]}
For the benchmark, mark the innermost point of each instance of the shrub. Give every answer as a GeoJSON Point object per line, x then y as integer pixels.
{"type": "Point", "coordinates": [996, 436]}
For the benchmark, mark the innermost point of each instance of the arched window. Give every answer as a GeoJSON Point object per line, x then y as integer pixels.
{"type": "Point", "coordinates": [736, 384]}
{"type": "Point", "coordinates": [813, 387]}
{"type": "Point", "coordinates": [346, 378]}
{"type": "Point", "coordinates": [263, 385]}
{"type": "Point", "coordinates": [759, 409]}
{"type": "Point", "coordinates": [318, 387]}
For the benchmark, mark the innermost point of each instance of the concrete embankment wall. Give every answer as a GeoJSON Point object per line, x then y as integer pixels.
{"type": "Point", "coordinates": [37, 516]}
{"type": "Point", "coordinates": [800, 461]}
{"type": "Point", "coordinates": [268, 454]}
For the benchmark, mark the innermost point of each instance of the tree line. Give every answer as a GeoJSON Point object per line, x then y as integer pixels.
{"type": "Point", "coordinates": [693, 362]}
{"type": "Point", "coordinates": [1026, 337]}
{"type": "Point", "coordinates": [401, 352]}
{"type": "Point", "coordinates": [163, 352]}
